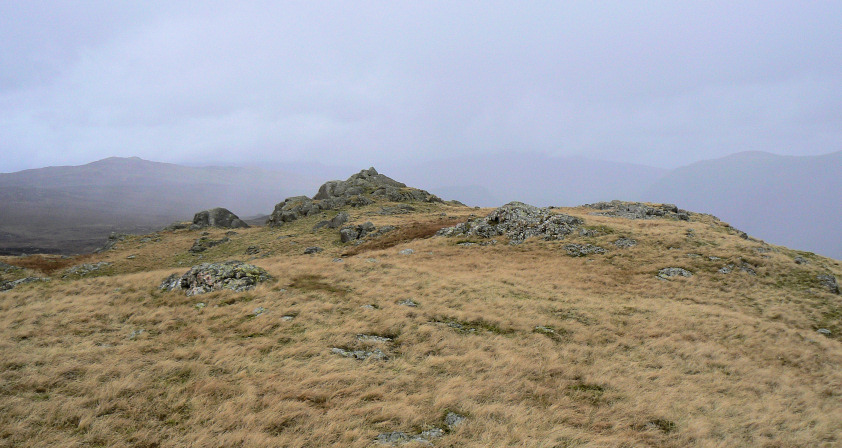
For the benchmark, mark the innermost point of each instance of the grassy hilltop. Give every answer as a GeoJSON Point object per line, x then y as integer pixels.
{"type": "Point", "coordinates": [533, 347]}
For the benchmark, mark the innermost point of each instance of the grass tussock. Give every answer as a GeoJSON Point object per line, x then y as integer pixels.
{"type": "Point", "coordinates": [404, 234]}
{"type": "Point", "coordinates": [535, 348]}
{"type": "Point", "coordinates": [47, 264]}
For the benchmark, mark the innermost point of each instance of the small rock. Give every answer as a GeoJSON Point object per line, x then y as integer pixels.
{"type": "Point", "coordinates": [409, 302]}
{"type": "Point", "coordinates": [5, 286]}
{"type": "Point", "coordinates": [579, 250]}
{"type": "Point", "coordinates": [801, 260]}
{"type": "Point", "coordinates": [666, 273]}
{"type": "Point", "coordinates": [625, 243]}
{"type": "Point", "coordinates": [200, 305]}
{"type": "Point", "coordinates": [312, 250]}
{"type": "Point", "coordinates": [407, 252]}
{"type": "Point", "coordinates": [373, 338]}
{"type": "Point", "coordinates": [371, 260]}
{"type": "Point", "coordinates": [544, 330]}
{"type": "Point", "coordinates": [287, 317]}
{"type": "Point", "coordinates": [258, 311]}
{"type": "Point", "coordinates": [824, 331]}
{"type": "Point", "coordinates": [217, 217]}
{"type": "Point", "coordinates": [829, 282]}
{"type": "Point", "coordinates": [131, 257]}
{"type": "Point", "coordinates": [134, 334]}
{"type": "Point", "coordinates": [252, 250]}
{"type": "Point", "coordinates": [338, 260]}
{"type": "Point", "coordinates": [369, 306]}
{"type": "Point", "coordinates": [452, 420]}
{"type": "Point", "coordinates": [376, 354]}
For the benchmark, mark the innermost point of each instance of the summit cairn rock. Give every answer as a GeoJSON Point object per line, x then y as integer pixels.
{"type": "Point", "coordinates": [207, 277]}
{"type": "Point", "coordinates": [217, 217]}
{"type": "Point", "coordinates": [363, 188]}
{"type": "Point", "coordinates": [517, 221]}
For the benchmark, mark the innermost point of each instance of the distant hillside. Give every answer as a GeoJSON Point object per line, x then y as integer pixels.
{"type": "Point", "coordinates": [72, 209]}
{"type": "Point", "coordinates": [783, 199]}
{"type": "Point", "coordinates": [533, 178]}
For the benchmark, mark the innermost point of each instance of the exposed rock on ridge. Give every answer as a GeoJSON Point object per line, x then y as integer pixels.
{"type": "Point", "coordinates": [207, 277]}
{"type": "Point", "coordinates": [517, 221]}
{"type": "Point", "coordinates": [217, 217]}
{"type": "Point", "coordinates": [363, 188]}
{"type": "Point", "coordinates": [639, 210]}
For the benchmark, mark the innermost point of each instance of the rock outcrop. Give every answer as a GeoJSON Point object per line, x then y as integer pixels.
{"type": "Point", "coordinates": [828, 281]}
{"type": "Point", "coordinates": [639, 210]}
{"type": "Point", "coordinates": [217, 217]}
{"type": "Point", "coordinates": [363, 188]}
{"type": "Point", "coordinates": [5, 286]}
{"type": "Point", "coordinates": [517, 221]}
{"type": "Point", "coordinates": [206, 277]}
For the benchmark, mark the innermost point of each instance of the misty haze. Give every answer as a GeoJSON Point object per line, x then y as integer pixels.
{"type": "Point", "coordinates": [480, 224]}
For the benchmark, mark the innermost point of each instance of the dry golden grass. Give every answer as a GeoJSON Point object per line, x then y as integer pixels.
{"type": "Point", "coordinates": [715, 360]}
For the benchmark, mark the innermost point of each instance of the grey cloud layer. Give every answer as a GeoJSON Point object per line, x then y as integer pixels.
{"type": "Point", "coordinates": [664, 83]}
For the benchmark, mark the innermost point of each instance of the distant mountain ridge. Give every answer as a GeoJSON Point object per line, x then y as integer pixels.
{"type": "Point", "coordinates": [785, 200]}
{"type": "Point", "coordinates": [73, 208]}
{"type": "Point", "coordinates": [788, 200]}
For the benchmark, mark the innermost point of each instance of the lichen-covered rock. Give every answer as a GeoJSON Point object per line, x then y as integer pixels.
{"type": "Point", "coordinates": [358, 232]}
{"type": "Point", "coordinates": [217, 217]}
{"type": "Point", "coordinates": [206, 277]}
{"type": "Point", "coordinates": [829, 282]}
{"type": "Point", "coordinates": [743, 266]}
{"type": "Point", "coordinates": [581, 250]}
{"type": "Point", "coordinates": [8, 268]}
{"type": "Point", "coordinates": [334, 223]}
{"type": "Point", "coordinates": [5, 286]}
{"type": "Point", "coordinates": [517, 221]}
{"type": "Point", "coordinates": [625, 243]}
{"type": "Point", "coordinates": [639, 210]}
{"type": "Point", "coordinates": [667, 273]}
{"type": "Point", "coordinates": [84, 269]}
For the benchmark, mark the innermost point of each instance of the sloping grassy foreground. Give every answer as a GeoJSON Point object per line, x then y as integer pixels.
{"type": "Point", "coordinates": [534, 347]}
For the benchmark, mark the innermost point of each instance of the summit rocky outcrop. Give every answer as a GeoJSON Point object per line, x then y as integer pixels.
{"type": "Point", "coordinates": [364, 188]}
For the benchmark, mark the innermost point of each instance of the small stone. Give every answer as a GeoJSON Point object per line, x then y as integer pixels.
{"type": "Point", "coordinates": [312, 250]}
{"type": "Point", "coordinates": [200, 305]}
{"type": "Point", "coordinates": [258, 311]}
{"type": "Point", "coordinates": [625, 243]}
{"type": "Point", "coordinates": [369, 307]}
{"type": "Point", "coordinates": [287, 317]}
{"type": "Point", "coordinates": [373, 338]}
{"type": "Point", "coordinates": [252, 250]}
{"type": "Point", "coordinates": [131, 257]}
{"type": "Point", "coordinates": [371, 260]}
{"type": "Point", "coordinates": [409, 302]}
{"type": "Point", "coordinates": [666, 273]}
{"type": "Point", "coordinates": [824, 331]}
{"type": "Point", "coordinates": [453, 420]}
{"type": "Point", "coordinates": [407, 252]}
{"type": "Point", "coordinates": [338, 260]}
{"type": "Point", "coordinates": [134, 334]}
{"type": "Point", "coordinates": [801, 260]}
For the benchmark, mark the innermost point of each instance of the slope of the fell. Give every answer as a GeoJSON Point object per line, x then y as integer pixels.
{"type": "Point", "coordinates": [468, 340]}
{"type": "Point", "coordinates": [788, 200]}
{"type": "Point", "coordinates": [73, 209]}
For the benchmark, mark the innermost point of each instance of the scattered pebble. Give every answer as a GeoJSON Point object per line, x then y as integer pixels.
{"type": "Point", "coordinates": [408, 302]}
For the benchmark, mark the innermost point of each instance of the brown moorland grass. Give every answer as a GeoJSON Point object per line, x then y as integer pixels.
{"type": "Point", "coordinates": [712, 360]}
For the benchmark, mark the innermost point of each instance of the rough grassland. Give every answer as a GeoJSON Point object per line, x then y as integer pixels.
{"type": "Point", "coordinates": [714, 360]}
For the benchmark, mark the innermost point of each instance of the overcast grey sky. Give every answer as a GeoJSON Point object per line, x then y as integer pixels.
{"type": "Point", "coordinates": [663, 83]}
